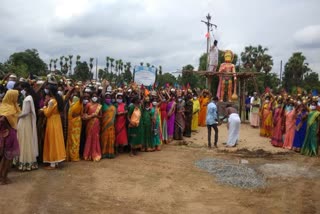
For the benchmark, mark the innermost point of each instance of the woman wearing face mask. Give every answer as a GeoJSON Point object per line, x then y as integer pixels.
{"type": "Point", "coordinates": [54, 149]}
{"type": "Point", "coordinates": [311, 141]}
{"type": "Point", "coordinates": [164, 117]}
{"type": "Point", "coordinates": [146, 122]}
{"type": "Point", "coordinates": [195, 111]}
{"type": "Point", "coordinates": [171, 110]}
{"type": "Point", "coordinates": [107, 127]}
{"type": "Point", "coordinates": [92, 114]}
{"type": "Point", "coordinates": [74, 126]}
{"type": "Point", "coordinates": [156, 130]}
{"type": "Point", "coordinates": [120, 123]}
{"type": "Point", "coordinates": [27, 132]}
{"type": "Point", "coordinates": [85, 101]}
{"type": "Point", "coordinates": [179, 122]}
{"type": "Point", "coordinates": [300, 125]}
{"type": "Point", "coordinates": [135, 126]}
{"type": "Point", "coordinates": [290, 118]}
{"type": "Point", "coordinates": [278, 124]}
{"type": "Point", "coordinates": [266, 117]}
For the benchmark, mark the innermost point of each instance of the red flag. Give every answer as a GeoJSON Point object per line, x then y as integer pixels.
{"type": "Point", "coordinates": [207, 35]}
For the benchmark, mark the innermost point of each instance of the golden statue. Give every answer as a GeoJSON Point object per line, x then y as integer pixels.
{"type": "Point", "coordinates": [226, 80]}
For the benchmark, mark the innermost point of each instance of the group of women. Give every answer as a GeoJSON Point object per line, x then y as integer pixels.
{"type": "Point", "coordinates": [50, 123]}
{"type": "Point", "coordinates": [291, 122]}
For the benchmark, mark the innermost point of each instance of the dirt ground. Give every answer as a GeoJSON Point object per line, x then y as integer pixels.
{"type": "Point", "coordinates": [169, 182]}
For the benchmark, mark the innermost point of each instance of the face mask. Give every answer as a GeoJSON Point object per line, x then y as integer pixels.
{"type": "Point", "coordinates": [60, 93]}
{"type": "Point", "coordinates": [267, 101]}
{"type": "Point", "coordinates": [154, 103]}
{"type": "Point", "coordinates": [119, 100]}
{"type": "Point", "coordinates": [312, 107]}
{"type": "Point", "coordinates": [163, 100]}
{"type": "Point", "coordinates": [147, 108]}
{"type": "Point", "coordinates": [318, 104]}
{"type": "Point", "coordinates": [108, 101]}
{"type": "Point", "coordinates": [113, 100]}
{"type": "Point", "coordinates": [85, 102]}
{"type": "Point", "coordinates": [46, 91]}
{"type": "Point", "coordinates": [94, 99]}
{"type": "Point", "coordinates": [23, 92]}
{"type": "Point", "coordinates": [2, 94]}
{"type": "Point", "coordinates": [179, 99]}
{"type": "Point", "coordinates": [299, 102]}
{"type": "Point", "coordinates": [75, 99]}
{"type": "Point", "coordinates": [194, 98]}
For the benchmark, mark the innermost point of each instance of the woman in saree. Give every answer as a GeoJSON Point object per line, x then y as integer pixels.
{"type": "Point", "coordinates": [290, 118]}
{"type": "Point", "coordinates": [156, 124]}
{"type": "Point", "coordinates": [27, 132]}
{"type": "Point", "coordinates": [135, 134]}
{"type": "Point", "coordinates": [120, 123]}
{"type": "Point", "coordinates": [311, 141]}
{"type": "Point", "coordinates": [164, 118]}
{"type": "Point", "coordinates": [195, 111]}
{"type": "Point", "coordinates": [92, 114]}
{"type": "Point", "coordinates": [54, 150]}
{"type": "Point", "coordinates": [146, 122]}
{"type": "Point", "coordinates": [107, 127]}
{"type": "Point", "coordinates": [204, 101]}
{"type": "Point", "coordinates": [179, 123]}
{"type": "Point", "coordinates": [9, 146]}
{"type": "Point", "coordinates": [266, 118]}
{"type": "Point", "coordinates": [171, 109]}
{"type": "Point", "coordinates": [300, 126]}
{"type": "Point", "coordinates": [74, 126]}
{"type": "Point", "coordinates": [278, 124]}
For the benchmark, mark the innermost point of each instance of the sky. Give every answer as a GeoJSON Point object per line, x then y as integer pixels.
{"type": "Point", "coordinates": [161, 32]}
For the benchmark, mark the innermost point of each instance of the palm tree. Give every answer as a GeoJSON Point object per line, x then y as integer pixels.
{"type": "Point", "coordinates": [55, 64]}
{"type": "Point", "coordinates": [70, 63]}
{"type": "Point", "coordinates": [66, 67]}
{"type": "Point", "coordinates": [50, 64]}
{"type": "Point", "coordinates": [107, 59]}
{"type": "Point", "coordinates": [148, 65]}
{"type": "Point", "coordinates": [160, 69]}
{"type": "Point", "coordinates": [141, 63]}
{"type": "Point", "coordinates": [117, 64]}
{"type": "Point", "coordinates": [91, 64]}
{"type": "Point", "coordinates": [78, 59]}
{"type": "Point", "coordinates": [248, 56]}
{"type": "Point", "coordinates": [61, 62]}
{"type": "Point", "coordinates": [120, 65]}
{"type": "Point", "coordinates": [111, 63]}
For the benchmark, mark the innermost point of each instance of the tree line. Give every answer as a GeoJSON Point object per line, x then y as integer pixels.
{"type": "Point", "coordinates": [297, 72]}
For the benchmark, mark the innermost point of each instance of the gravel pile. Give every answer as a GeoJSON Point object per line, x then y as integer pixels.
{"type": "Point", "coordinates": [237, 175]}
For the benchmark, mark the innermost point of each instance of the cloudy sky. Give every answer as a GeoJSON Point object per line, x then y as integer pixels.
{"type": "Point", "coordinates": [161, 32]}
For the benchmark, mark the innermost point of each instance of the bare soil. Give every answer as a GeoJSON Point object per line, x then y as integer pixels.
{"type": "Point", "coordinates": [169, 182]}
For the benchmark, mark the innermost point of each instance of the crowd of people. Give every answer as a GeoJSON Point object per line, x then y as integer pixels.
{"type": "Point", "coordinates": [50, 121]}
{"type": "Point", "coordinates": [291, 122]}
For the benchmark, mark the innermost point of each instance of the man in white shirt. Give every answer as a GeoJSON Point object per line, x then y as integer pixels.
{"type": "Point", "coordinates": [213, 57]}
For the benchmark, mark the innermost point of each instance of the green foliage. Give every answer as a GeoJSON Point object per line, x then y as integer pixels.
{"type": "Point", "coordinates": [166, 78]}
{"type": "Point", "coordinates": [26, 62]}
{"type": "Point", "coordinates": [82, 72]}
{"type": "Point", "coordinates": [311, 81]}
{"type": "Point", "coordinates": [294, 71]}
{"type": "Point", "coordinates": [257, 58]}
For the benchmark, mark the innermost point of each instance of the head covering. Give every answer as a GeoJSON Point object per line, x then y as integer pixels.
{"type": "Point", "coordinates": [9, 107]}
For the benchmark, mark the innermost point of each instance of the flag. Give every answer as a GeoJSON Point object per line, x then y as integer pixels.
{"type": "Point", "coordinates": [207, 35]}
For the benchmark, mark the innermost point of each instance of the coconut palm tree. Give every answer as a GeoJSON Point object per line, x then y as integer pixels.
{"type": "Point", "coordinates": [111, 63]}
{"type": "Point", "coordinates": [91, 64]}
{"type": "Point", "coordinates": [61, 62]}
{"type": "Point", "coordinates": [78, 59]}
{"type": "Point", "coordinates": [55, 64]}
{"type": "Point", "coordinates": [107, 64]}
{"type": "Point", "coordinates": [70, 63]}
{"type": "Point", "coordinates": [160, 69]}
{"type": "Point", "coordinates": [148, 65]}
{"type": "Point", "coordinates": [141, 63]}
{"type": "Point", "coordinates": [50, 64]}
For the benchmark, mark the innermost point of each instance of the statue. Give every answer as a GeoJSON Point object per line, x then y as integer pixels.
{"type": "Point", "coordinates": [226, 80]}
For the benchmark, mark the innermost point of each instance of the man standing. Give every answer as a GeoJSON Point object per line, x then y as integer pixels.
{"type": "Point", "coordinates": [212, 121]}
{"type": "Point", "coordinates": [255, 106]}
{"type": "Point", "coordinates": [213, 57]}
{"type": "Point", "coordinates": [233, 125]}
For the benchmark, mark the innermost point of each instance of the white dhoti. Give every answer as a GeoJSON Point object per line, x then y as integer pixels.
{"type": "Point", "coordinates": [234, 128]}
{"type": "Point", "coordinates": [254, 119]}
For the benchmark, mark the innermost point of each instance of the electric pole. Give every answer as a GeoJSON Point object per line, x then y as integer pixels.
{"type": "Point", "coordinates": [209, 26]}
